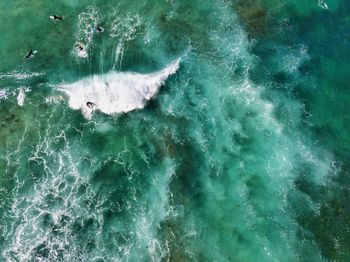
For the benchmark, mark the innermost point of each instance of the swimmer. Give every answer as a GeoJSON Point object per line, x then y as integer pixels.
{"type": "Point", "coordinates": [55, 17]}
{"type": "Point", "coordinates": [30, 54]}
{"type": "Point", "coordinates": [90, 104]}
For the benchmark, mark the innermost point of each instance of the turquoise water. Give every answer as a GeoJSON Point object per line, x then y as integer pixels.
{"type": "Point", "coordinates": [241, 155]}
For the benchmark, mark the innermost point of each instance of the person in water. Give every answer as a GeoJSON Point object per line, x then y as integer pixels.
{"type": "Point", "coordinates": [30, 54]}
{"type": "Point", "coordinates": [56, 17]}
{"type": "Point", "coordinates": [98, 29]}
{"type": "Point", "coordinates": [90, 104]}
{"type": "Point", "coordinates": [81, 50]}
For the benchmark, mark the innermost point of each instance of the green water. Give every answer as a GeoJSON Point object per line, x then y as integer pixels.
{"type": "Point", "coordinates": [243, 155]}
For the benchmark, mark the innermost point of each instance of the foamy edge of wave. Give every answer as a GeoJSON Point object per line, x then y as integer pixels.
{"type": "Point", "coordinates": [116, 92]}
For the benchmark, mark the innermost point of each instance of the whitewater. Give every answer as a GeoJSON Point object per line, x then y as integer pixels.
{"type": "Point", "coordinates": [185, 131]}
{"type": "Point", "coordinates": [116, 92]}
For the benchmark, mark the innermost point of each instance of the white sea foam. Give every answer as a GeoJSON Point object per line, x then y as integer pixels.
{"type": "Point", "coordinates": [322, 4]}
{"type": "Point", "coordinates": [116, 92]}
{"type": "Point", "coordinates": [54, 99]}
{"type": "Point", "coordinates": [125, 28]}
{"type": "Point", "coordinates": [119, 51]}
{"type": "Point", "coordinates": [87, 20]}
{"type": "Point", "coordinates": [21, 96]}
{"type": "Point", "coordinates": [18, 93]}
{"type": "Point", "coordinates": [3, 94]}
{"type": "Point", "coordinates": [18, 75]}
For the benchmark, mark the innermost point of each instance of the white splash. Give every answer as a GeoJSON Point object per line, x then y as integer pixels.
{"type": "Point", "coordinates": [3, 94]}
{"type": "Point", "coordinates": [116, 92]}
{"type": "Point", "coordinates": [322, 4]}
{"type": "Point", "coordinates": [81, 53]}
{"type": "Point", "coordinates": [21, 96]}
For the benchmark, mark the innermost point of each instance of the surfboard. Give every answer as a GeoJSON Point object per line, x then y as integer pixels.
{"type": "Point", "coordinates": [53, 17]}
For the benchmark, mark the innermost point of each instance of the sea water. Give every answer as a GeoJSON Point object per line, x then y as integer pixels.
{"type": "Point", "coordinates": [218, 130]}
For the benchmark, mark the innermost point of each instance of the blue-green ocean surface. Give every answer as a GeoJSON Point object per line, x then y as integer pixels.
{"type": "Point", "coordinates": [217, 130]}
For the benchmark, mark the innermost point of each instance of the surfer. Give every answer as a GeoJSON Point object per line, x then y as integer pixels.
{"type": "Point", "coordinates": [30, 54]}
{"type": "Point", "coordinates": [90, 104]}
{"type": "Point", "coordinates": [98, 29]}
{"type": "Point", "coordinates": [56, 17]}
{"type": "Point", "coordinates": [81, 50]}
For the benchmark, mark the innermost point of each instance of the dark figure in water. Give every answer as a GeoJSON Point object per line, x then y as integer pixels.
{"type": "Point", "coordinates": [81, 48]}
{"type": "Point", "coordinates": [97, 29]}
{"type": "Point", "coordinates": [56, 17]}
{"type": "Point", "coordinates": [30, 54]}
{"type": "Point", "coordinates": [90, 104]}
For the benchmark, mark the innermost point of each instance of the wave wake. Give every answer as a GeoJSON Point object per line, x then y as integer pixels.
{"type": "Point", "coordinates": [116, 92]}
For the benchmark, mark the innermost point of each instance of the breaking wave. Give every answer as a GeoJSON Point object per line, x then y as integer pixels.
{"type": "Point", "coordinates": [116, 92]}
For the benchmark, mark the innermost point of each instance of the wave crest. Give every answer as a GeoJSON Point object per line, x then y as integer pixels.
{"type": "Point", "coordinates": [116, 92]}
